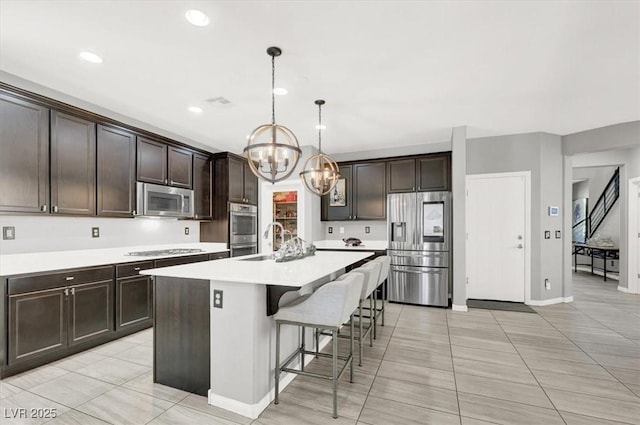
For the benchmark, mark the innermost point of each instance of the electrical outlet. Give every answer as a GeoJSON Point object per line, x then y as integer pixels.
{"type": "Point", "coordinates": [367, 229]}
{"type": "Point", "coordinates": [8, 233]}
{"type": "Point", "coordinates": [330, 230]}
{"type": "Point", "coordinates": [217, 298]}
{"type": "Point", "coordinates": [95, 232]}
{"type": "Point", "coordinates": [186, 230]}
{"type": "Point", "coordinates": [547, 284]}
{"type": "Point", "coordinates": [547, 234]}
{"type": "Point", "coordinates": [558, 234]}
{"type": "Point", "coordinates": [342, 230]}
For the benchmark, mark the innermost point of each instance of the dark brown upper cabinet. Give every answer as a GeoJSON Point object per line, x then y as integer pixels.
{"type": "Point", "coordinates": [73, 165]}
{"type": "Point", "coordinates": [116, 172]}
{"type": "Point", "coordinates": [401, 175]}
{"type": "Point", "coordinates": [428, 173]}
{"type": "Point", "coordinates": [337, 204]}
{"type": "Point", "coordinates": [202, 186]}
{"type": "Point", "coordinates": [369, 192]}
{"type": "Point", "coordinates": [239, 185]}
{"type": "Point", "coordinates": [152, 161]}
{"type": "Point", "coordinates": [434, 173]}
{"type": "Point", "coordinates": [180, 167]}
{"type": "Point", "coordinates": [24, 156]}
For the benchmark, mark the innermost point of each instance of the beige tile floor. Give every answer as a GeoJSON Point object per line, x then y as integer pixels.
{"type": "Point", "coordinates": [574, 364]}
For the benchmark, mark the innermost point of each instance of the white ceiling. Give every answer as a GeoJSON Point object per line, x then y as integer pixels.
{"type": "Point", "coordinates": [393, 73]}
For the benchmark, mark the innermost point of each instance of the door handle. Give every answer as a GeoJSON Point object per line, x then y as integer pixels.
{"type": "Point", "coordinates": [520, 246]}
{"type": "Point", "coordinates": [55, 208]}
{"type": "Point", "coordinates": [43, 208]}
{"type": "Point", "coordinates": [73, 291]}
{"type": "Point", "coordinates": [66, 292]}
{"type": "Point", "coordinates": [136, 269]}
{"type": "Point", "coordinates": [69, 278]}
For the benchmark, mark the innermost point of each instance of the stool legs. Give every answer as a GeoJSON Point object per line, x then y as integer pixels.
{"type": "Point", "coordinates": [335, 373]}
{"type": "Point", "coordinates": [374, 312]}
{"type": "Point", "coordinates": [360, 337]}
{"type": "Point", "coordinates": [277, 371]}
{"type": "Point", "coordinates": [351, 348]}
{"type": "Point", "coordinates": [384, 297]}
{"type": "Point", "coordinates": [302, 348]}
{"type": "Point", "coordinates": [372, 318]}
{"type": "Point", "coordinates": [317, 332]}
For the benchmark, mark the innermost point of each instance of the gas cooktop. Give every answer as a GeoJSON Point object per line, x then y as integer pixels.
{"type": "Point", "coordinates": [159, 252]}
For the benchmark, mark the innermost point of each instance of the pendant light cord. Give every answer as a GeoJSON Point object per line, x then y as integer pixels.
{"type": "Point", "coordinates": [273, 87]}
{"type": "Point", "coordinates": [319, 128]}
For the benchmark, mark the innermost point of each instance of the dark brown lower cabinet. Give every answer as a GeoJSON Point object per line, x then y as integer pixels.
{"type": "Point", "coordinates": [38, 324]}
{"type": "Point", "coordinates": [90, 311]}
{"type": "Point", "coordinates": [134, 302]}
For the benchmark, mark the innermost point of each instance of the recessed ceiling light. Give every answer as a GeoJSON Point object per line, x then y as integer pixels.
{"type": "Point", "coordinates": [195, 109]}
{"type": "Point", "coordinates": [321, 127]}
{"type": "Point", "coordinates": [280, 91]}
{"type": "Point", "coordinates": [197, 18]}
{"type": "Point", "coordinates": [90, 57]}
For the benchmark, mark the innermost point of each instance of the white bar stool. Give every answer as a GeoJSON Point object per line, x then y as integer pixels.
{"type": "Point", "coordinates": [327, 308]}
{"type": "Point", "coordinates": [385, 262]}
{"type": "Point", "coordinates": [370, 271]}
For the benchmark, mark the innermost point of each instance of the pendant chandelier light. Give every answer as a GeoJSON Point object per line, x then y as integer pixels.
{"type": "Point", "coordinates": [272, 150]}
{"type": "Point", "coordinates": [320, 173]}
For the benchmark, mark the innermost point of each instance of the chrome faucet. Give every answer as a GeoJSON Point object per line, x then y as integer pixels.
{"type": "Point", "coordinates": [274, 224]}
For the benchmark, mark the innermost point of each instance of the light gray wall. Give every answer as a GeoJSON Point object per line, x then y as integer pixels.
{"type": "Point", "coordinates": [617, 136]}
{"type": "Point", "coordinates": [580, 190]}
{"type": "Point", "coordinates": [539, 153]}
{"type": "Point", "coordinates": [356, 229]}
{"type": "Point", "coordinates": [459, 191]}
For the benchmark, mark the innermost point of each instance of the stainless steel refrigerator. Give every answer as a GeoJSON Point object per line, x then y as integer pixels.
{"type": "Point", "coordinates": [419, 232]}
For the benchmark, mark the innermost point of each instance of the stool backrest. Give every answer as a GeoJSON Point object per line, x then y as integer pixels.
{"type": "Point", "coordinates": [370, 271]}
{"type": "Point", "coordinates": [385, 262]}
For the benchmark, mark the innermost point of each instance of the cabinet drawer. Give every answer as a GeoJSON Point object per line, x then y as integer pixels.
{"type": "Point", "coordinates": [21, 285]}
{"type": "Point", "coordinates": [132, 269]}
{"type": "Point", "coordinates": [166, 262]}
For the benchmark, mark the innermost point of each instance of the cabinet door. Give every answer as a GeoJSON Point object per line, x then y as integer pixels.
{"type": "Point", "coordinates": [152, 161]}
{"type": "Point", "coordinates": [202, 186]}
{"type": "Point", "coordinates": [180, 167]}
{"type": "Point", "coordinates": [90, 311]}
{"type": "Point", "coordinates": [433, 173]}
{"type": "Point", "coordinates": [236, 180]}
{"type": "Point", "coordinates": [341, 197]}
{"type": "Point", "coordinates": [401, 176]}
{"type": "Point", "coordinates": [134, 301]}
{"type": "Point", "coordinates": [369, 191]}
{"type": "Point", "coordinates": [116, 172]}
{"type": "Point", "coordinates": [24, 156]}
{"type": "Point", "coordinates": [37, 324]}
{"type": "Point", "coordinates": [250, 186]}
{"type": "Point", "coordinates": [73, 165]}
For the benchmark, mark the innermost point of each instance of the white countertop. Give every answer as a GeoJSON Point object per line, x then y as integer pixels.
{"type": "Point", "coordinates": [365, 246]}
{"type": "Point", "coordinates": [291, 273]}
{"type": "Point", "coordinates": [13, 264]}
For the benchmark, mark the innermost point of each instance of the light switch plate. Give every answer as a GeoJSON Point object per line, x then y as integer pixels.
{"type": "Point", "coordinates": [330, 230]}
{"type": "Point", "coordinates": [95, 232]}
{"type": "Point", "coordinates": [547, 234]}
{"type": "Point", "coordinates": [186, 230]}
{"type": "Point", "coordinates": [367, 229]}
{"type": "Point", "coordinates": [8, 233]}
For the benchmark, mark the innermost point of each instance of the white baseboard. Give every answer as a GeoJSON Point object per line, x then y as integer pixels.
{"type": "Point", "coordinates": [542, 303]}
{"type": "Point", "coordinates": [623, 289]}
{"type": "Point", "coordinates": [457, 307]}
{"type": "Point", "coordinates": [253, 410]}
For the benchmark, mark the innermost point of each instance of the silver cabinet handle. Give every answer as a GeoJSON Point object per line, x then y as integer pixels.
{"type": "Point", "coordinates": [355, 216]}
{"type": "Point", "coordinates": [171, 183]}
{"type": "Point", "coordinates": [55, 208]}
{"type": "Point", "coordinates": [134, 212]}
{"type": "Point", "coordinates": [165, 181]}
{"type": "Point", "coordinates": [136, 269]}
{"type": "Point", "coordinates": [43, 208]}
{"type": "Point", "coordinates": [196, 216]}
{"type": "Point", "coordinates": [69, 278]}
{"type": "Point", "coordinates": [73, 291]}
{"type": "Point", "coordinates": [66, 292]}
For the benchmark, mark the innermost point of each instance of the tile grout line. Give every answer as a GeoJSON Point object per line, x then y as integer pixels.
{"type": "Point", "coordinates": [453, 368]}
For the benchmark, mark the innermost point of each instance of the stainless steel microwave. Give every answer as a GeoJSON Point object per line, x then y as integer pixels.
{"type": "Point", "coordinates": [163, 201]}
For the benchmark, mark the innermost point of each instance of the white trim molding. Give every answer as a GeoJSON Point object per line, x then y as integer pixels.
{"type": "Point", "coordinates": [457, 307]}
{"type": "Point", "coordinates": [551, 301]}
{"type": "Point", "coordinates": [623, 289]}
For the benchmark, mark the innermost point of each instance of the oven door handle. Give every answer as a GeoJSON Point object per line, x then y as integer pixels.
{"type": "Point", "coordinates": [439, 254]}
{"type": "Point", "coordinates": [421, 271]}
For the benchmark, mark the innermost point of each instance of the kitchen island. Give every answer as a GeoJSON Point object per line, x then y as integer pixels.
{"type": "Point", "coordinates": [226, 349]}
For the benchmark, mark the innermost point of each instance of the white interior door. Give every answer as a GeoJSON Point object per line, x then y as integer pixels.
{"type": "Point", "coordinates": [496, 231]}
